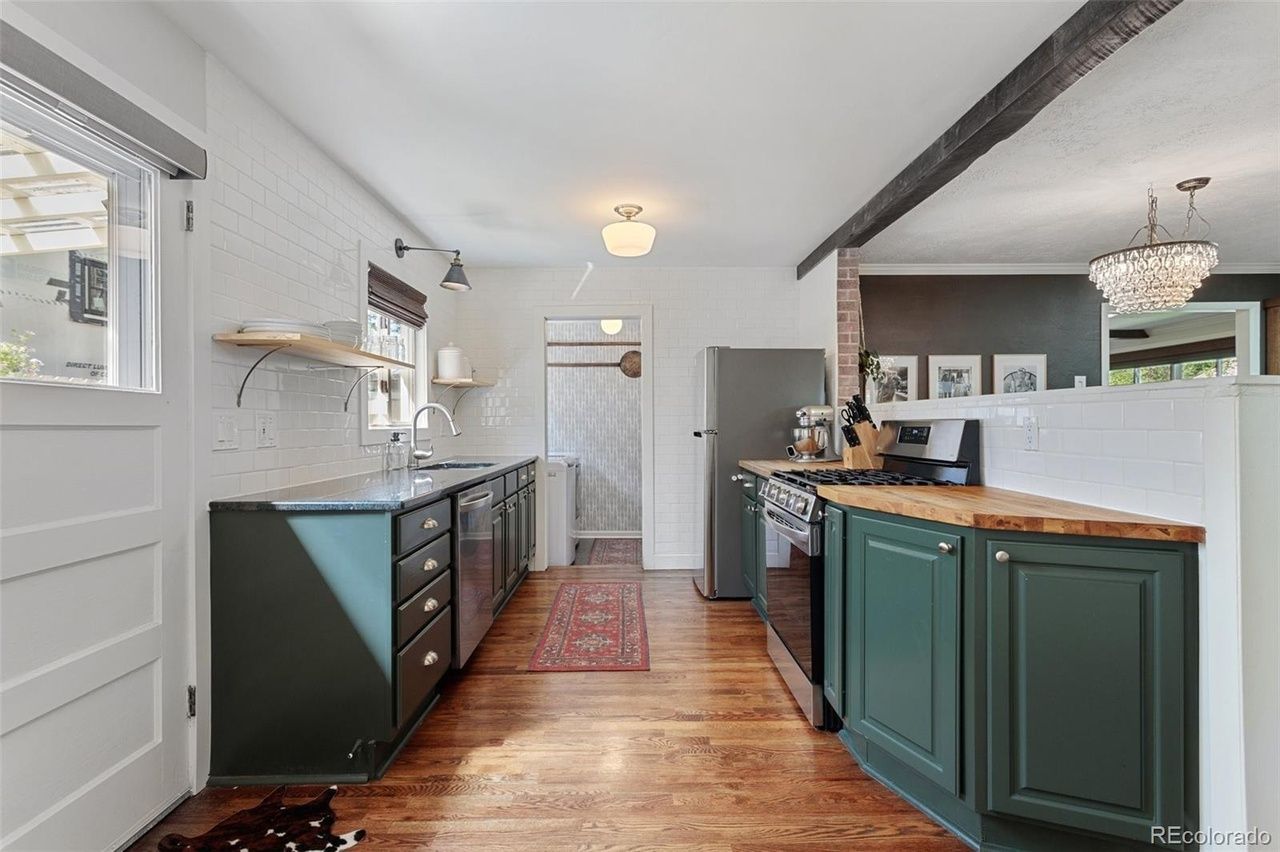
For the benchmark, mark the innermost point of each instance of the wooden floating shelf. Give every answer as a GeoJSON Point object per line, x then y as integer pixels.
{"type": "Point", "coordinates": [315, 348]}
{"type": "Point", "coordinates": [463, 383]}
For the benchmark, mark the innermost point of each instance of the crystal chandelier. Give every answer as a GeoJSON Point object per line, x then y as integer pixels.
{"type": "Point", "coordinates": [1158, 275]}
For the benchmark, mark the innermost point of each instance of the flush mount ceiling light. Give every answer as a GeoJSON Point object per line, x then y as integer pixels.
{"type": "Point", "coordinates": [1158, 275]}
{"type": "Point", "coordinates": [611, 326]}
{"type": "Point", "coordinates": [628, 238]}
{"type": "Point", "coordinates": [455, 278]}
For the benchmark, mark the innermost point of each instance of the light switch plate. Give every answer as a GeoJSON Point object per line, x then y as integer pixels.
{"type": "Point", "coordinates": [1031, 434]}
{"type": "Point", "coordinates": [1081, 381]}
{"type": "Point", "coordinates": [265, 430]}
{"type": "Point", "coordinates": [226, 433]}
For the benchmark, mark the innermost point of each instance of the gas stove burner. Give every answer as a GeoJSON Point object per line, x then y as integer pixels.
{"type": "Point", "coordinates": [838, 476]}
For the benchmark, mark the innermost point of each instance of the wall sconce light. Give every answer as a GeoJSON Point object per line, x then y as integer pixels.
{"type": "Point", "coordinates": [455, 278]}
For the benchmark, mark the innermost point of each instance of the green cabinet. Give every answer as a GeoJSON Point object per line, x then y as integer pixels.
{"type": "Point", "coordinates": [748, 535]}
{"type": "Point", "coordinates": [1086, 685]}
{"type": "Point", "coordinates": [902, 649]}
{"type": "Point", "coordinates": [761, 549]}
{"type": "Point", "coordinates": [833, 609]}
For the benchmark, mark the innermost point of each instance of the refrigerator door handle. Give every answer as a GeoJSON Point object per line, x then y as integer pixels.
{"type": "Point", "coordinates": [709, 517]}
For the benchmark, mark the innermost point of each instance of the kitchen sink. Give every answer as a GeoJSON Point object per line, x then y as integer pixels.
{"type": "Point", "coordinates": [455, 465]}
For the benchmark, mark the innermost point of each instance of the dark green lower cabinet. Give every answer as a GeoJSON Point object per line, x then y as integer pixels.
{"type": "Point", "coordinates": [1086, 684]}
{"type": "Point", "coordinates": [1029, 691]}
{"type": "Point", "coordinates": [902, 677]}
{"type": "Point", "coordinates": [748, 533]}
{"type": "Point", "coordinates": [833, 609]}
{"type": "Point", "coordinates": [761, 596]}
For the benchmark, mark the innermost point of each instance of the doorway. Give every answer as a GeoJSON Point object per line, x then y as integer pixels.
{"type": "Point", "coordinates": [594, 431]}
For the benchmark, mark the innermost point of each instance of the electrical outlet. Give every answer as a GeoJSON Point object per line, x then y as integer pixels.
{"type": "Point", "coordinates": [265, 429]}
{"type": "Point", "coordinates": [226, 433]}
{"type": "Point", "coordinates": [1031, 434]}
{"type": "Point", "coordinates": [1081, 381]}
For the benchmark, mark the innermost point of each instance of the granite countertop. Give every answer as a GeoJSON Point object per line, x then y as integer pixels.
{"type": "Point", "coordinates": [380, 491]}
{"type": "Point", "coordinates": [982, 507]}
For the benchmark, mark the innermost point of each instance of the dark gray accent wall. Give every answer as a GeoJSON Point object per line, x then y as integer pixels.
{"type": "Point", "coordinates": [1059, 315]}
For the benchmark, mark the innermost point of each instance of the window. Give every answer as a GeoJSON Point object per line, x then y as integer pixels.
{"type": "Point", "coordinates": [1203, 368]}
{"type": "Point", "coordinates": [394, 320]}
{"type": "Point", "coordinates": [77, 255]}
{"type": "Point", "coordinates": [391, 392]}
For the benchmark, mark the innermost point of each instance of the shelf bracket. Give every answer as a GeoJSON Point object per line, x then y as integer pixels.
{"type": "Point", "coordinates": [366, 374]}
{"type": "Point", "coordinates": [453, 410]}
{"type": "Point", "coordinates": [265, 356]}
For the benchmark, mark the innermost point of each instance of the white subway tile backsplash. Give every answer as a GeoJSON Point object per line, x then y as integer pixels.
{"type": "Point", "coordinates": [1148, 414]}
{"type": "Point", "coordinates": [1183, 446]}
{"type": "Point", "coordinates": [1149, 474]}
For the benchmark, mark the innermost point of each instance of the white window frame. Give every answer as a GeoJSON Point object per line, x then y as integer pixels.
{"type": "Point", "coordinates": [378, 435]}
{"type": "Point", "coordinates": [146, 368]}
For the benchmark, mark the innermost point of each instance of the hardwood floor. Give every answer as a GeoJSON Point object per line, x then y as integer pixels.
{"type": "Point", "coordinates": [706, 751]}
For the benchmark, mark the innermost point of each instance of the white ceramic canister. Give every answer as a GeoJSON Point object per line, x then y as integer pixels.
{"type": "Point", "coordinates": [449, 363]}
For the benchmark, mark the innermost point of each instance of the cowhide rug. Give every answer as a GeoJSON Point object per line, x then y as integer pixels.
{"type": "Point", "coordinates": [271, 826]}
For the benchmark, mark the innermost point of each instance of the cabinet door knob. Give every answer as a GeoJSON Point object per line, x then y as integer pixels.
{"type": "Point", "coordinates": [430, 565]}
{"type": "Point", "coordinates": [1002, 556]}
{"type": "Point", "coordinates": [946, 547]}
{"type": "Point", "coordinates": [735, 478]}
{"type": "Point", "coordinates": [431, 658]}
{"type": "Point", "coordinates": [431, 605]}
{"type": "Point", "coordinates": [430, 524]}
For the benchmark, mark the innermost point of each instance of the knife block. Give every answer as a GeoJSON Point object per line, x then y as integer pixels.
{"type": "Point", "coordinates": [859, 457]}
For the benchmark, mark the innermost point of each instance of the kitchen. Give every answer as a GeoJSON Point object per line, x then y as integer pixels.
{"type": "Point", "coordinates": [235, 528]}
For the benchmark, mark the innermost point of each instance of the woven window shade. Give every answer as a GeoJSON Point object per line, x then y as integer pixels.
{"type": "Point", "coordinates": [391, 296]}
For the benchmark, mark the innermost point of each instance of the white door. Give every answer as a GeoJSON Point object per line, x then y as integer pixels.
{"type": "Point", "coordinates": [95, 519]}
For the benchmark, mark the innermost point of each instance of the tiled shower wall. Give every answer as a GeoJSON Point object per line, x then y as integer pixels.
{"type": "Point", "coordinates": [594, 413]}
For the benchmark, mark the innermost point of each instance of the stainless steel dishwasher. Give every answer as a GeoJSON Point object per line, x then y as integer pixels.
{"type": "Point", "coordinates": [474, 600]}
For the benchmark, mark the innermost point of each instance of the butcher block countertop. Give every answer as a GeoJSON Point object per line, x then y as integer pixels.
{"type": "Point", "coordinates": [981, 507]}
{"type": "Point", "coordinates": [769, 467]}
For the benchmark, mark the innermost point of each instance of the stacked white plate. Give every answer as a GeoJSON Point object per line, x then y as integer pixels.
{"type": "Point", "coordinates": [344, 331]}
{"type": "Point", "coordinates": [269, 325]}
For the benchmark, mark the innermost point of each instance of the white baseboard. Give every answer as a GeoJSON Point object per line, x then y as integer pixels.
{"type": "Point", "coordinates": [676, 562]}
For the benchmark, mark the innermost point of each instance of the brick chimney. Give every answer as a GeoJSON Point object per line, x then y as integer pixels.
{"type": "Point", "coordinates": [848, 322]}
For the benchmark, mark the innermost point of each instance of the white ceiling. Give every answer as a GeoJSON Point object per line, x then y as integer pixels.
{"type": "Point", "coordinates": [748, 132]}
{"type": "Point", "coordinates": [1198, 93]}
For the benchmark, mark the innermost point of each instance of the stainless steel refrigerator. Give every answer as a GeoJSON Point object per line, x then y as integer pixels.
{"type": "Point", "coordinates": [748, 400]}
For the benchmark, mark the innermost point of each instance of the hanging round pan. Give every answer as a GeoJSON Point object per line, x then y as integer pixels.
{"type": "Point", "coordinates": [629, 364]}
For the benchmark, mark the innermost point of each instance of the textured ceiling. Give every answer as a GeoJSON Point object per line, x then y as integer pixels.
{"type": "Point", "coordinates": [747, 131]}
{"type": "Point", "coordinates": [1198, 93]}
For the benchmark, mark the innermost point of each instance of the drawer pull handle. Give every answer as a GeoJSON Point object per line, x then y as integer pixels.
{"type": "Point", "coordinates": [430, 524]}
{"type": "Point", "coordinates": [431, 658]}
{"type": "Point", "coordinates": [1002, 556]}
{"type": "Point", "coordinates": [430, 565]}
{"type": "Point", "coordinates": [946, 547]}
{"type": "Point", "coordinates": [431, 605]}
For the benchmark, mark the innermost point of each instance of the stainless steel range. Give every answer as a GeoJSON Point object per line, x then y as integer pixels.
{"type": "Point", "coordinates": [915, 452]}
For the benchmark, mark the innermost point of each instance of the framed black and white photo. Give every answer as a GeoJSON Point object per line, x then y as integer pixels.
{"type": "Point", "coordinates": [954, 375]}
{"type": "Point", "coordinates": [1019, 373]}
{"type": "Point", "coordinates": [900, 381]}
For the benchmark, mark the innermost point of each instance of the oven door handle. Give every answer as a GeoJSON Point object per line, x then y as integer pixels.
{"type": "Point", "coordinates": [802, 537]}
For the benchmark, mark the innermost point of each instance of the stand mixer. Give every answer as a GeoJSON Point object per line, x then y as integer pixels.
{"type": "Point", "coordinates": [810, 438]}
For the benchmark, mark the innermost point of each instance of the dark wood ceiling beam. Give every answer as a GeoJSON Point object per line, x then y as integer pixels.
{"type": "Point", "coordinates": [1097, 30]}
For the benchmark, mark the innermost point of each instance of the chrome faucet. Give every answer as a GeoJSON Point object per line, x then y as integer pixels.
{"type": "Point", "coordinates": [421, 455]}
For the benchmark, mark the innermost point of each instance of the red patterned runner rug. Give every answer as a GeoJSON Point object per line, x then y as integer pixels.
{"type": "Point", "coordinates": [594, 627]}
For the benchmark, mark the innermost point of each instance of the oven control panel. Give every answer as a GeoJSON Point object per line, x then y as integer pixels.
{"type": "Point", "coordinates": [797, 501]}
